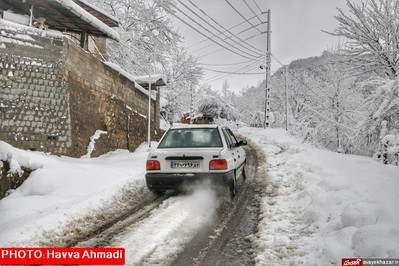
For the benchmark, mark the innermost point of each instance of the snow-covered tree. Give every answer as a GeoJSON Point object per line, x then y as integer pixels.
{"type": "Point", "coordinates": [251, 103]}
{"type": "Point", "coordinates": [225, 89]}
{"type": "Point", "coordinates": [372, 30]}
{"type": "Point", "coordinates": [322, 101]}
{"type": "Point", "coordinates": [381, 116]}
{"type": "Point", "coordinates": [183, 75]}
{"type": "Point", "coordinates": [210, 103]}
{"type": "Point", "coordinates": [147, 34]}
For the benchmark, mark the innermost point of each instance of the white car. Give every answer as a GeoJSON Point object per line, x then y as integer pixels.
{"type": "Point", "coordinates": [191, 153]}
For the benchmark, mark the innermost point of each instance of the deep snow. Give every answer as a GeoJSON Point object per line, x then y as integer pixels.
{"type": "Point", "coordinates": [318, 206]}
{"type": "Point", "coordinates": [321, 206]}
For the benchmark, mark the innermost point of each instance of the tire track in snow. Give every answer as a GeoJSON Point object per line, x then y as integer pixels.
{"type": "Point", "coordinates": [157, 239]}
{"type": "Point", "coordinates": [105, 236]}
{"type": "Point", "coordinates": [132, 199]}
{"type": "Point", "coordinates": [227, 241]}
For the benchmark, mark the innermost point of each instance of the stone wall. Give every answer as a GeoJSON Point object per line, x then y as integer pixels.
{"type": "Point", "coordinates": [11, 181]}
{"type": "Point", "coordinates": [55, 95]}
{"type": "Point", "coordinates": [34, 111]}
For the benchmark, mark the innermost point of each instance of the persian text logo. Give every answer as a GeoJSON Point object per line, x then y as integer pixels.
{"type": "Point", "coordinates": [352, 261]}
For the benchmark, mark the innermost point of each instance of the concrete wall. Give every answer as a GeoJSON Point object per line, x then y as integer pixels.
{"type": "Point", "coordinates": [55, 95]}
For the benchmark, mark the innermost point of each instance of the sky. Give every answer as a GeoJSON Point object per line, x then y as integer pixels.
{"type": "Point", "coordinates": [296, 32]}
{"type": "Point", "coordinates": [316, 207]}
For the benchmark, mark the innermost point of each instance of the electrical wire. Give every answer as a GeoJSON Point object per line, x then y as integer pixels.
{"type": "Point", "coordinates": [250, 8]}
{"type": "Point", "coordinates": [233, 27]}
{"type": "Point", "coordinates": [230, 64]}
{"type": "Point", "coordinates": [222, 48]}
{"type": "Point", "coordinates": [260, 10]}
{"type": "Point", "coordinates": [225, 30]}
{"type": "Point", "coordinates": [227, 37]}
{"type": "Point", "coordinates": [244, 68]}
{"type": "Point", "coordinates": [272, 55]}
{"type": "Point", "coordinates": [235, 73]}
{"type": "Point", "coordinates": [203, 34]}
{"type": "Point", "coordinates": [223, 40]}
{"type": "Point", "coordinates": [238, 12]}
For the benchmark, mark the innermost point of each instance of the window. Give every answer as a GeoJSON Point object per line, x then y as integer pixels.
{"type": "Point", "coordinates": [230, 138]}
{"type": "Point", "coordinates": [191, 138]}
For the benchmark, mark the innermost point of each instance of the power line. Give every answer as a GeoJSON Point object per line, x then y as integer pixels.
{"type": "Point", "coordinates": [241, 15]}
{"type": "Point", "coordinates": [222, 48]}
{"type": "Point", "coordinates": [276, 59]}
{"type": "Point", "coordinates": [224, 75]}
{"type": "Point", "coordinates": [244, 68]}
{"type": "Point", "coordinates": [227, 37]}
{"type": "Point", "coordinates": [327, 118]}
{"type": "Point", "coordinates": [235, 73]}
{"type": "Point", "coordinates": [235, 26]}
{"type": "Point", "coordinates": [298, 79]}
{"type": "Point", "coordinates": [207, 31]}
{"type": "Point", "coordinates": [260, 10]}
{"type": "Point", "coordinates": [230, 64]}
{"type": "Point", "coordinates": [233, 35]}
{"type": "Point", "coordinates": [250, 8]}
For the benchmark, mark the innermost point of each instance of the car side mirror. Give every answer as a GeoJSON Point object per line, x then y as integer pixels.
{"type": "Point", "coordinates": [242, 143]}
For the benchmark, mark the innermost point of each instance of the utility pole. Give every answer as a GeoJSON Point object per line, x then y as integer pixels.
{"type": "Point", "coordinates": [267, 80]}
{"type": "Point", "coordinates": [149, 106]}
{"type": "Point", "coordinates": [191, 103]}
{"type": "Point", "coordinates": [286, 98]}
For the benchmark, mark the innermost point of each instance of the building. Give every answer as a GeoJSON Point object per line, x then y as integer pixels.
{"type": "Point", "coordinates": [56, 89]}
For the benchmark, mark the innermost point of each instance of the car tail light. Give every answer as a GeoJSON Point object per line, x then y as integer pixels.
{"type": "Point", "coordinates": [153, 165]}
{"type": "Point", "coordinates": [218, 164]}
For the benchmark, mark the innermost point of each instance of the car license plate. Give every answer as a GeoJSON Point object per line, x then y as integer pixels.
{"type": "Point", "coordinates": [185, 164]}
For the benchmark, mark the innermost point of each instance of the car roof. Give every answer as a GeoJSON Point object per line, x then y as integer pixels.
{"type": "Point", "coordinates": [185, 126]}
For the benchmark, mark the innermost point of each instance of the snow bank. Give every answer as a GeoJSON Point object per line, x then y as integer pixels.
{"type": "Point", "coordinates": [321, 206]}
{"type": "Point", "coordinates": [62, 189]}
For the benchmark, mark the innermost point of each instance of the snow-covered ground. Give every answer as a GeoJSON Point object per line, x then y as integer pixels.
{"type": "Point", "coordinates": [318, 206]}
{"type": "Point", "coordinates": [62, 189]}
{"type": "Point", "coordinates": [321, 206]}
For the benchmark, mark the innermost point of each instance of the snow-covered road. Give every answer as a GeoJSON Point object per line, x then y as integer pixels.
{"type": "Point", "coordinates": [315, 206]}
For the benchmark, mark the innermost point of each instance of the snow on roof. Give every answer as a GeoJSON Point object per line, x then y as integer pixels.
{"type": "Point", "coordinates": [99, 10]}
{"type": "Point", "coordinates": [67, 15]}
{"type": "Point", "coordinates": [89, 18]}
{"type": "Point", "coordinates": [130, 77]}
{"type": "Point", "coordinates": [154, 79]}
{"type": "Point", "coordinates": [16, 27]}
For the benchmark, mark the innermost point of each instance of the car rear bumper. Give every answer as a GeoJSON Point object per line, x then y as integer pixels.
{"type": "Point", "coordinates": [179, 181]}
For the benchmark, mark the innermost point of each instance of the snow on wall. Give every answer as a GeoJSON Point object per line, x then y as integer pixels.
{"type": "Point", "coordinates": [131, 78]}
{"type": "Point", "coordinates": [92, 143]}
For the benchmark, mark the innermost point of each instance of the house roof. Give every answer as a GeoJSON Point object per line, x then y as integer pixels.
{"type": "Point", "coordinates": [67, 15]}
{"type": "Point", "coordinates": [156, 80]}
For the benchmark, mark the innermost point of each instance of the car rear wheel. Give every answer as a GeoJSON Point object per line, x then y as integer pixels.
{"type": "Point", "coordinates": [158, 193]}
{"type": "Point", "coordinates": [232, 188]}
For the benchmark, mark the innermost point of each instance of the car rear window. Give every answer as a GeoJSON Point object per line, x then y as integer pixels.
{"type": "Point", "coordinates": [191, 137]}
